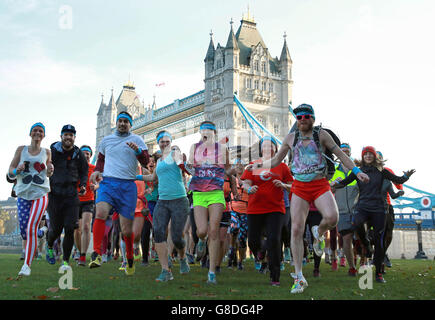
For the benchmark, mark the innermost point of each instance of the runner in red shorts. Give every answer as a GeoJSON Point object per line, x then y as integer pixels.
{"type": "Point", "coordinates": [309, 170]}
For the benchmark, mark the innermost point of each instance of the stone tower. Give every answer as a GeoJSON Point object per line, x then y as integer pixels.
{"type": "Point", "coordinates": [263, 84]}
{"type": "Point", "coordinates": [128, 100]}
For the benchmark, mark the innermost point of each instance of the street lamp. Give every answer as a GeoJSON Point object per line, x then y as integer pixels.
{"type": "Point", "coordinates": [420, 253]}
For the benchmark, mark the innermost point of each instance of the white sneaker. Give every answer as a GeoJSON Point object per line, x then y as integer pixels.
{"type": "Point", "coordinates": [25, 270]}
{"type": "Point", "coordinates": [64, 267]}
{"type": "Point", "coordinates": [299, 284]}
{"type": "Point", "coordinates": [104, 258]}
{"type": "Point", "coordinates": [319, 242]}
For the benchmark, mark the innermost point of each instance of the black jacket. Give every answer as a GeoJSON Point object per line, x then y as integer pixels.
{"type": "Point", "coordinates": [70, 170]}
{"type": "Point", "coordinates": [370, 194]}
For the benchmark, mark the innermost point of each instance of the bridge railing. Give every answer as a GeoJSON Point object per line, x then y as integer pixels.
{"type": "Point", "coordinates": [407, 221]}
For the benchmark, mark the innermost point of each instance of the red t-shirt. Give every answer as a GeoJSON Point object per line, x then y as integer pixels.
{"type": "Point", "coordinates": [89, 195]}
{"type": "Point", "coordinates": [268, 198]}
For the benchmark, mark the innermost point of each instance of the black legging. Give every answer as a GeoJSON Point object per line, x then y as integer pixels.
{"type": "Point", "coordinates": [389, 226]}
{"type": "Point", "coordinates": [193, 224]}
{"type": "Point", "coordinates": [145, 239]}
{"type": "Point", "coordinates": [286, 230]}
{"type": "Point", "coordinates": [64, 214]}
{"type": "Point", "coordinates": [377, 220]}
{"type": "Point", "coordinates": [272, 224]}
{"type": "Point", "coordinates": [313, 219]}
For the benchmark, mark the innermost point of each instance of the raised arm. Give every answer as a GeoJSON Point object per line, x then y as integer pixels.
{"type": "Point", "coordinates": [279, 156]}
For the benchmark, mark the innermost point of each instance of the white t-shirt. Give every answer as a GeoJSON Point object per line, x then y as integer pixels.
{"type": "Point", "coordinates": [120, 160]}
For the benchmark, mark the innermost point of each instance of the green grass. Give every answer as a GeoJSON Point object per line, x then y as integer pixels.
{"type": "Point", "coordinates": [407, 279]}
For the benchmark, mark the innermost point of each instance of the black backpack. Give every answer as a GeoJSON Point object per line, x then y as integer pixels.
{"type": "Point", "coordinates": [327, 155]}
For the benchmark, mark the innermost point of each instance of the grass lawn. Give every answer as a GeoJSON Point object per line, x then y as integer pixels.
{"type": "Point", "coordinates": [407, 279]}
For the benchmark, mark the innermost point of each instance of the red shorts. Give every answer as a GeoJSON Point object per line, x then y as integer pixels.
{"type": "Point", "coordinates": [310, 191]}
{"type": "Point", "coordinates": [138, 214]}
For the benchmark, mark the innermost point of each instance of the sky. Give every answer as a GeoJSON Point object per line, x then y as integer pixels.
{"type": "Point", "coordinates": [366, 66]}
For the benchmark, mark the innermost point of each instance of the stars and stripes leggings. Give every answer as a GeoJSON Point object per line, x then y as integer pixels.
{"type": "Point", "coordinates": [30, 213]}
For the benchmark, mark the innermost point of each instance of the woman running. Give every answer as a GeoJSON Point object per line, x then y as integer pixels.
{"type": "Point", "coordinates": [31, 166]}
{"type": "Point", "coordinates": [210, 160]}
{"type": "Point", "coordinates": [172, 205]}
{"type": "Point", "coordinates": [266, 210]}
{"type": "Point", "coordinates": [370, 205]}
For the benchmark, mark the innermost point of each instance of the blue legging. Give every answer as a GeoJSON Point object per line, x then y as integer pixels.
{"type": "Point", "coordinates": [239, 227]}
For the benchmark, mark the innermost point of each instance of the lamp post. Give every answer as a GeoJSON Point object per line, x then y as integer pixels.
{"type": "Point", "coordinates": [420, 253]}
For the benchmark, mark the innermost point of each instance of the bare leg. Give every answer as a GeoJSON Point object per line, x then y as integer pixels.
{"type": "Point", "coordinates": [299, 212]}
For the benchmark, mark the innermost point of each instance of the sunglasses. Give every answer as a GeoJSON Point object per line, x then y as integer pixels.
{"type": "Point", "coordinates": [305, 116]}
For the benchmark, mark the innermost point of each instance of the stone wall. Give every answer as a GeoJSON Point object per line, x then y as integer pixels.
{"type": "Point", "coordinates": [405, 242]}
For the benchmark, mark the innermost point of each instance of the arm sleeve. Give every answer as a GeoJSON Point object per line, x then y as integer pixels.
{"type": "Point", "coordinates": [393, 195]}
{"type": "Point", "coordinates": [100, 163]}
{"type": "Point", "coordinates": [350, 178]}
{"type": "Point", "coordinates": [392, 177]}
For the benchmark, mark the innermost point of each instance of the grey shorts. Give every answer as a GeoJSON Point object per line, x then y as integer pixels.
{"type": "Point", "coordinates": [176, 211]}
{"type": "Point", "coordinates": [344, 223]}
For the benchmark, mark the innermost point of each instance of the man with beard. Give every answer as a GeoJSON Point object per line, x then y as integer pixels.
{"type": "Point", "coordinates": [115, 173]}
{"type": "Point", "coordinates": [70, 170]}
{"type": "Point", "coordinates": [309, 168]}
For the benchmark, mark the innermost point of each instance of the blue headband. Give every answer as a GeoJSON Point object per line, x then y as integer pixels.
{"type": "Point", "coordinates": [123, 115]}
{"type": "Point", "coordinates": [163, 134]}
{"type": "Point", "coordinates": [38, 124]}
{"type": "Point", "coordinates": [86, 149]}
{"type": "Point", "coordinates": [207, 126]}
{"type": "Point", "coordinates": [345, 145]}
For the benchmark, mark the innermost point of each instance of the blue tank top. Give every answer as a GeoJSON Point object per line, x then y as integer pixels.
{"type": "Point", "coordinates": [171, 184]}
{"type": "Point", "coordinates": [307, 161]}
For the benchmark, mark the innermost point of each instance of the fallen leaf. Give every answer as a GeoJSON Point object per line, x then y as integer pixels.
{"type": "Point", "coordinates": [410, 297]}
{"type": "Point", "coordinates": [195, 285]}
{"type": "Point", "coordinates": [159, 297]}
{"type": "Point", "coordinates": [53, 289]}
{"type": "Point", "coordinates": [210, 295]}
{"type": "Point", "coordinates": [75, 289]}
{"type": "Point", "coordinates": [9, 279]}
{"type": "Point", "coordinates": [42, 297]}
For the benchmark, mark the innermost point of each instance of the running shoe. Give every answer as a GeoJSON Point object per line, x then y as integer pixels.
{"type": "Point", "coordinates": [263, 269]}
{"type": "Point", "coordinates": [287, 255]}
{"type": "Point", "coordinates": [123, 266]}
{"type": "Point", "coordinates": [211, 278]}
{"type": "Point", "coordinates": [76, 255]}
{"type": "Point", "coordinates": [274, 283]}
{"type": "Point", "coordinates": [342, 262]}
{"type": "Point", "coordinates": [129, 271]}
{"type": "Point", "coordinates": [200, 249]}
{"type": "Point", "coordinates": [380, 278]}
{"type": "Point", "coordinates": [82, 261]}
{"type": "Point", "coordinates": [104, 258]}
{"type": "Point", "coordinates": [257, 265]}
{"type": "Point", "coordinates": [42, 232]}
{"type": "Point", "coordinates": [240, 266]}
{"type": "Point", "coordinates": [190, 258]}
{"type": "Point", "coordinates": [318, 243]}
{"type": "Point", "coordinates": [282, 266]}
{"type": "Point", "coordinates": [164, 276]}
{"type": "Point", "coordinates": [64, 267]}
{"type": "Point", "coordinates": [387, 261]}
{"type": "Point", "coordinates": [352, 272]}
{"type": "Point", "coordinates": [95, 260]}
{"type": "Point", "coordinates": [316, 273]}
{"type": "Point", "coordinates": [184, 266]}
{"type": "Point", "coordinates": [304, 261]}
{"type": "Point", "coordinates": [334, 265]}
{"type": "Point", "coordinates": [39, 256]}
{"type": "Point", "coordinates": [299, 284]}
{"type": "Point", "coordinates": [49, 256]}
{"type": "Point", "coordinates": [25, 270]}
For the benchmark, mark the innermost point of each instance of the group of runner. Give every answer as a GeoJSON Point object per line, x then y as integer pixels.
{"type": "Point", "coordinates": [204, 201]}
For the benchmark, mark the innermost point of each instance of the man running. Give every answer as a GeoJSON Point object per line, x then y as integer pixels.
{"type": "Point", "coordinates": [310, 185]}
{"type": "Point", "coordinates": [115, 173]}
{"type": "Point", "coordinates": [70, 170]}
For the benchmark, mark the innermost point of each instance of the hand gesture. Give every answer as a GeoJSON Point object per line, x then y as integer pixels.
{"type": "Point", "coordinates": [401, 193]}
{"type": "Point", "coordinates": [21, 168]}
{"type": "Point", "coordinates": [82, 191]}
{"type": "Point", "coordinates": [278, 183]}
{"type": "Point", "coordinates": [409, 173]}
{"type": "Point", "coordinates": [133, 146]}
{"type": "Point", "coordinates": [96, 177]}
{"type": "Point", "coordinates": [363, 177]}
{"type": "Point", "coordinates": [252, 189]}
